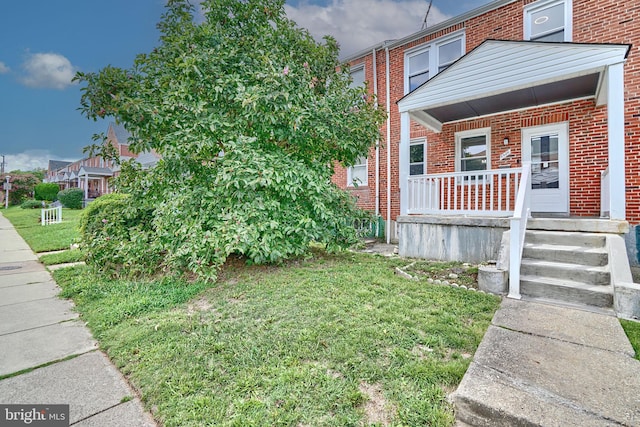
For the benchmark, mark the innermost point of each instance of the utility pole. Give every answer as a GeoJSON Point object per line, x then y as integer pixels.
{"type": "Point", "coordinates": [2, 172]}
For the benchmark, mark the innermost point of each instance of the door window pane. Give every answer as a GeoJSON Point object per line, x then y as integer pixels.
{"type": "Point", "coordinates": [544, 162]}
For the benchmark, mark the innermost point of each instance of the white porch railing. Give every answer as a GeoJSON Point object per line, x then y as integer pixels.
{"type": "Point", "coordinates": [491, 192]}
{"type": "Point", "coordinates": [605, 197]}
{"type": "Point", "coordinates": [51, 216]}
{"type": "Point", "coordinates": [518, 229]}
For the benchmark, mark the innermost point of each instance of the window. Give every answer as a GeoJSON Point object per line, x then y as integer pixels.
{"type": "Point", "coordinates": [357, 174]}
{"type": "Point", "coordinates": [448, 53]}
{"type": "Point", "coordinates": [417, 157]}
{"type": "Point", "coordinates": [357, 76]}
{"type": "Point", "coordinates": [418, 72]}
{"type": "Point", "coordinates": [548, 21]}
{"type": "Point", "coordinates": [473, 150]}
{"type": "Point", "coordinates": [428, 60]}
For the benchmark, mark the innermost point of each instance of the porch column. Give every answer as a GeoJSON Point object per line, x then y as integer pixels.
{"type": "Point", "coordinates": [403, 158]}
{"type": "Point", "coordinates": [615, 128]}
{"type": "Point", "coordinates": [86, 186]}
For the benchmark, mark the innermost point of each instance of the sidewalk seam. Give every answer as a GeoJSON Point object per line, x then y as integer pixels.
{"type": "Point", "coordinates": [562, 340]}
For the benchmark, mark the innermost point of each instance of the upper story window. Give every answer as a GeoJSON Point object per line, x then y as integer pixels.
{"type": "Point", "coordinates": [428, 60]}
{"type": "Point", "coordinates": [357, 76]}
{"type": "Point", "coordinates": [357, 174]}
{"type": "Point", "coordinates": [549, 21]}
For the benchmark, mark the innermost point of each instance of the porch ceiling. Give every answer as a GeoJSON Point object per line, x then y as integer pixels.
{"type": "Point", "coordinates": [506, 75]}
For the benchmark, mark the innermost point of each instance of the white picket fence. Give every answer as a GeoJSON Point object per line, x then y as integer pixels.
{"type": "Point", "coordinates": [51, 216]}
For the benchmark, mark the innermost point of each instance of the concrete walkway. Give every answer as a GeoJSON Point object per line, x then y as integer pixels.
{"type": "Point", "coordinates": [546, 365]}
{"type": "Point", "coordinates": [47, 355]}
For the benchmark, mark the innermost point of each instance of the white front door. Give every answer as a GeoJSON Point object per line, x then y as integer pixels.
{"type": "Point", "coordinates": [547, 148]}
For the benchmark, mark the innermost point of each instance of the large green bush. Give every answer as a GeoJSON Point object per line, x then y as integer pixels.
{"type": "Point", "coordinates": [47, 191]}
{"type": "Point", "coordinates": [117, 236]}
{"type": "Point", "coordinates": [71, 198]}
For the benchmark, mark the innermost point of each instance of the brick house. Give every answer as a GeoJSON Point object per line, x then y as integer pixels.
{"type": "Point", "coordinates": [544, 93]}
{"type": "Point", "coordinates": [93, 174]}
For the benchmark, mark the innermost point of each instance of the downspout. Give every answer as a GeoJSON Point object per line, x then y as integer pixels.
{"type": "Point", "coordinates": [388, 96]}
{"type": "Point", "coordinates": [375, 95]}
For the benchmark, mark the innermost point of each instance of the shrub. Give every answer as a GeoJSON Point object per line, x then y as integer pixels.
{"type": "Point", "coordinates": [46, 191]}
{"type": "Point", "coordinates": [31, 204]}
{"type": "Point", "coordinates": [117, 236]}
{"type": "Point", "coordinates": [71, 198]}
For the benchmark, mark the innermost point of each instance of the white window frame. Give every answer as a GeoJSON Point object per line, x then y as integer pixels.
{"type": "Point", "coordinates": [356, 68]}
{"type": "Point", "coordinates": [544, 4]}
{"type": "Point", "coordinates": [459, 136]}
{"type": "Point", "coordinates": [350, 169]}
{"type": "Point", "coordinates": [432, 48]}
{"type": "Point", "coordinates": [418, 141]}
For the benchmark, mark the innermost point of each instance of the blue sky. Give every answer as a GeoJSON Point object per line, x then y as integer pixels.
{"type": "Point", "coordinates": [43, 43]}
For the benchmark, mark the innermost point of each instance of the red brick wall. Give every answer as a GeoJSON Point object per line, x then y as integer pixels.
{"type": "Point", "coordinates": [594, 21]}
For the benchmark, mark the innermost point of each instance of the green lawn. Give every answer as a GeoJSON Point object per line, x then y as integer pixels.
{"type": "Point", "coordinates": [64, 257]}
{"type": "Point", "coordinates": [44, 238]}
{"type": "Point", "coordinates": [632, 328]}
{"type": "Point", "coordinates": [334, 340]}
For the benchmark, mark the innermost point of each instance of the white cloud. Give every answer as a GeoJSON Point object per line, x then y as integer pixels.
{"type": "Point", "coordinates": [47, 70]}
{"type": "Point", "coordinates": [29, 160]}
{"type": "Point", "coordinates": [358, 24]}
{"type": "Point", "coordinates": [4, 68]}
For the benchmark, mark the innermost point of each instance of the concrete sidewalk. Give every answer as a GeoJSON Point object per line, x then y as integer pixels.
{"type": "Point", "coordinates": [47, 355]}
{"type": "Point", "coordinates": [546, 365]}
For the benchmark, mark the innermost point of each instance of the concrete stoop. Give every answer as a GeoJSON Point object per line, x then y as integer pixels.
{"type": "Point", "coordinates": [545, 365]}
{"type": "Point", "coordinates": [571, 267]}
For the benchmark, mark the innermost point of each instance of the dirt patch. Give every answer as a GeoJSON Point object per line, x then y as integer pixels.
{"type": "Point", "coordinates": [376, 409]}
{"type": "Point", "coordinates": [201, 304]}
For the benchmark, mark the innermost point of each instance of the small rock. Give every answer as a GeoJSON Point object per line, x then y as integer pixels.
{"type": "Point", "coordinates": [438, 282]}
{"type": "Point", "coordinates": [463, 287]}
{"type": "Point", "coordinates": [455, 285]}
{"type": "Point", "coordinates": [444, 282]}
{"type": "Point", "coordinates": [429, 280]}
{"type": "Point", "coordinates": [453, 276]}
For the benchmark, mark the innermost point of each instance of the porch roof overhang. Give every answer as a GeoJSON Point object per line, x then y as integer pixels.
{"type": "Point", "coordinates": [504, 75]}
{"type": "Point", "coordinates": [94, 172]}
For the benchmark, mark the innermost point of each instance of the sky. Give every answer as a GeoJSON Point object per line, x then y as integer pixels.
{"type": "Point", "coordinates": [43, 43]}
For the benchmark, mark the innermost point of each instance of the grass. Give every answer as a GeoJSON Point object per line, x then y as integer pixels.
{"type": "Point", "coordinates": [44, 238]}
{"type": "Point", "coordinates": [73, 255]}
{"type": "Point", "coordinates": [632, 329]}
{"type": "Point", "coordinates": [311, 343]}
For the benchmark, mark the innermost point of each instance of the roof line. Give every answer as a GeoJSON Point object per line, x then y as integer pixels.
{"type": "Point", "coordinates": [431, 30]}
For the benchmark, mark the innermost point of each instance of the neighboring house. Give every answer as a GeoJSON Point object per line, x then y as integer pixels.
{"type": "Point", "coordinates": [93, 174]}
{"type": "Point", "coordinates": [550, 85]}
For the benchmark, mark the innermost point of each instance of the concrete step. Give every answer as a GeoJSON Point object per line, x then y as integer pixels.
{"type": "Point", "coordinates": [567, 253]}
{"type": "Point", "coordinates": [566, 290]}
{"type": "Point", "coordinates": [589, 275]}
{"type": "Point", "coordinates": [587, 240]}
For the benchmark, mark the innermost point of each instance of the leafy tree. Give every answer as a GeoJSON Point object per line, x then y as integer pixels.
{"type": "Point", "coordinates": [22, 186]}
{"type": "Point", "coordinates": [250, 114]}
